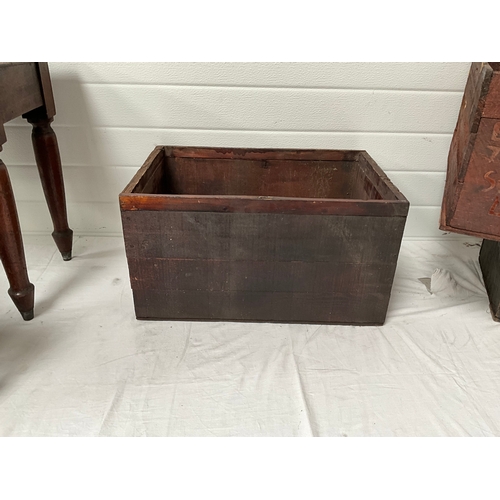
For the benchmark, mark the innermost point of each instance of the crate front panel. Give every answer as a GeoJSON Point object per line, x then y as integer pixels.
{"type": "Point", "coordinates": [261, 267]}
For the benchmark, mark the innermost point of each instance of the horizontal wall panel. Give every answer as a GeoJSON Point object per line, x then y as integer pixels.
{"type": "Point", "coordinates": [130, 147]}
{"type": "Point", "coordinates": [84, 218]}
{"type": "Point", "coordinates": [82, 184]}
{"type": "Point", "coordinates": [423, 222]}
{"type": "Point", "coordinates": [219, 108]}
{"type": "Point", "coordinates": [104, 184]}
{"type": "Point", "coordinates": [111, 115]}
{"type": "Point", "coordinates": [422, 76]}
{"type": "Point", "coordinates": [421, 188]}
{"type": "Point", "coordinates": [76, 144]}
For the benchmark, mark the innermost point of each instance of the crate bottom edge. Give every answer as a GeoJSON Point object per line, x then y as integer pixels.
{"type": "Point", "coordinates": [274, 321]}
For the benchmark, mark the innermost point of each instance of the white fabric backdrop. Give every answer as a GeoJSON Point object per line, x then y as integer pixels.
{"type": "Point", "coordinates": [85, 367]}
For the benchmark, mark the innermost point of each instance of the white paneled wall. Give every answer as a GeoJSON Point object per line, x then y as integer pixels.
{"type": "Point", "coordinates": [111, 115]}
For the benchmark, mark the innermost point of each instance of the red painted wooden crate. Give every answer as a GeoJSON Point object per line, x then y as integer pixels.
{"type": "Point", "coordinates": [471, 201]}
{"type": "Point", "coordinates": [309, 236]}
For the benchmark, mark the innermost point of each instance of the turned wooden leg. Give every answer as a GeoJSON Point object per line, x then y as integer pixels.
{"type": "Point", "coordinates": [49, 166]}
{"type": "Point", "coordinates": [21, 290]}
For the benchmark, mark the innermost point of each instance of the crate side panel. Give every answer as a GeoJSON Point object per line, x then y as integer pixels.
{"type": "Point", "coordinates": [265, 237]}
{"type": "Point", "coordinates": [282, 178]}
{"type": "Point", "coordinates": [256, 266]}
{"type": "Point", "coordinates": [256, 276]}
{"type": "Point", "coordinates": [334, 307]}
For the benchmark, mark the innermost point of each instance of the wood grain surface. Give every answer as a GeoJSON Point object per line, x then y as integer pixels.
{"type": "Point", "coordinates": [472, 192]}
{"type": "Point", "coordinates": [216, 256]}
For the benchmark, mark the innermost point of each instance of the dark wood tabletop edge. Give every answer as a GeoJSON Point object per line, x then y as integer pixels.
{"type": "Point", "coordinates": [46, 84]}
{"type": "Point", "coordinates": [6, 64]}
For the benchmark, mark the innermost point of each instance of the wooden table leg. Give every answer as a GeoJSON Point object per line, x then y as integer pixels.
{"type": "Point", "coordinates": [21, 290]}
{"type": "Point", "coordinates": [49, 166]}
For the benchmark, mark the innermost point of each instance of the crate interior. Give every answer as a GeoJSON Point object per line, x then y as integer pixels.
{"type": "Point", "coordinates": [263, 178]}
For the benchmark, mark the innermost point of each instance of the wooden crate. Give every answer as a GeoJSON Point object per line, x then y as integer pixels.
{"type": "Point", "coordinates": [309, 236]}
{"type": "Point", "coordinates": [471, 202]}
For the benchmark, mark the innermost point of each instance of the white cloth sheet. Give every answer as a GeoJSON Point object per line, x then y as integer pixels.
{"type": "Point", "coordinates": [86, 367]}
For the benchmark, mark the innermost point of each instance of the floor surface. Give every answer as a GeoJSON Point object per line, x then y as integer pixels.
{"type": "Point", "coordinates": [86, 367]}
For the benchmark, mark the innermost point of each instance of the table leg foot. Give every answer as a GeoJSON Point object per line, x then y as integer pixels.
{"type": "Point", "coordinates": [24, 300]}
{"type": "Point", "coordinates": [64, 242]}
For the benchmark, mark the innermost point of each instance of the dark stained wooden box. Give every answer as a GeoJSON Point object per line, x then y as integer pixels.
{"type": "Point", "coordinates": [309, 236]}
{"type": "Point", "coordinates": [471, 201]}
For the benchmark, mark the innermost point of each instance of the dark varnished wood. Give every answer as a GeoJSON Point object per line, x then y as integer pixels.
{"type": "Point", "coordinates": [20, 90]}
{"type": "Point", "coordinates": [261, 154]}
{"type": "Point", "coordinates": [25, 89]}
{"type": "Point", "coordinates": [49, 167]}
{"type": "Point", "coordinates": [256, 204]}
{"type": "Point", "coordinates": [12, 256]}
{"type": "Point", "coordinates": [174, 180]}
{"type": "Point", "coordinates": [46, 87]}
{"type": "Point", "coordinates": [198, 247]}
